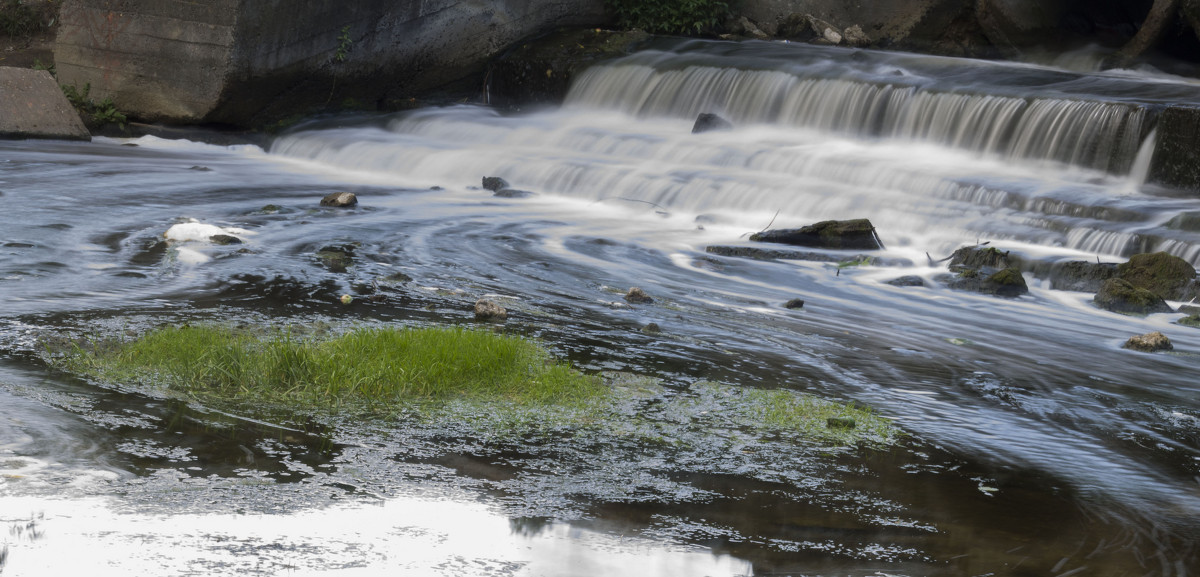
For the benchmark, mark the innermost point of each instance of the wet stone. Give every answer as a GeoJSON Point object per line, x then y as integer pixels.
{"type": "Point", "coordinates": [494, 183]}
{"type": "Point", "coordinates": [1149, 343]}
{"type": "Point", "coordinates": [794, 304]}
{"type": "Point", "coordinates": [486, 310]}
{"type": "Point", "coordinates": [224, 239]}
{"type": "Point", "coordinates": [907, 281]}
{"type": "Point", "coordinates": [340, 199]}
{"type": "Point", "coordinates": [513, 193]}
{"type": "Point", "coordinates": [638, 296]}
{"type": "Point", "coordinates": [709, 122]}
{"type": "Point", "coordinates": [652, 329]}
{"type": "Point", "coordinates": [1119, 296]}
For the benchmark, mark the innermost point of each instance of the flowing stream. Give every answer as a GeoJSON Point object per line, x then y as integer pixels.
{"type": "Point", "coordinates": [1036, 444]}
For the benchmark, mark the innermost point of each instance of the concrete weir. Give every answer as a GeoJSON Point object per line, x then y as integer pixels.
{"type": "Point", "coordinates": [33, 106]}
{"type": "Point", "coordinates": [245, 62]}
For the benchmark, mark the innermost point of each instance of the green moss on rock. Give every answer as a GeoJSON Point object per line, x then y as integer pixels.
{"type": "Point", "coordinates": [1118, 295]}
{"type": "Point", "coordinates": [1165, 275]}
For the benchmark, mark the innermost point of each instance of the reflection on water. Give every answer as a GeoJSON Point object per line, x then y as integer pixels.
{"type": "Point", "coordinates": [404, 536]}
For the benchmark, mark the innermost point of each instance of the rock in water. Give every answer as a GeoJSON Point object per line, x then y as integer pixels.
{"type": "Point", "coordinates": [708, 122]}
{"type": "Point", "coordinates": [1006, 283]}
{"type": "Point", "coordinates": [1118, 296]}
{"type": "Point", "coordinates": [1149, 343]}
{"type": "Point", "coordinates": [638, 296]}
{"type": "Point", "coordinates": [1165, 275]}
{"type": "Point", "coordinates": [494, 183]}
{"type": "Point", "coordinates": [856, 234]}
{"type": "Point", "coordinates": [794, 304]}
{"type": "Point", "coordinates": [486, 310]}
{"type": "Point", "coordinates": [339, 199]}
{"type": "Point", "coordinates": [978, 257]}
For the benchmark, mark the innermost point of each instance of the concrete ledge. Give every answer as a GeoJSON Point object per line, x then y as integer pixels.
{"type": "Point", "coordinates": [33, 106]}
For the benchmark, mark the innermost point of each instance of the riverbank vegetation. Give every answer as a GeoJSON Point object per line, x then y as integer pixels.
{"type": "Point", "coordinates": [22, 19]}
{"type": "Point", "coordinates": [669, 16]}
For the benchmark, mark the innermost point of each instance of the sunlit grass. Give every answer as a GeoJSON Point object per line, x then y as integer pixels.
{"type": "Point", "coordinates": [816, 417]}
{"type": "Point", "coordinates": [383, 364]}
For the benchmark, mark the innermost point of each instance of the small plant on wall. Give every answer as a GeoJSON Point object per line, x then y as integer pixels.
{"type": "Point", "coordinates": [669, 16]}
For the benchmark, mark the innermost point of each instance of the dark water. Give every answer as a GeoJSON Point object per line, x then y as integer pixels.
{"type": "Point", "coordinates": [1037, 445]}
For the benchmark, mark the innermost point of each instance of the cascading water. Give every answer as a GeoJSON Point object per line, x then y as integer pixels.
{"type": "Point", "coordinates": [1029, 422]}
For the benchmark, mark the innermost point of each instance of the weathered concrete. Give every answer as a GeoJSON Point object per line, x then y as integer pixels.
{"type": "Point", "coordinates": [33, 106]}
{"type": "Point", "coordinates": [246, 61]}
{"type": "Point", "coordinates": [1176, 160]}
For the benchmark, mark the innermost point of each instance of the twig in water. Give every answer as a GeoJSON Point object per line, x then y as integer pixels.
{"type": "Point", "coordinates": [770, 223]}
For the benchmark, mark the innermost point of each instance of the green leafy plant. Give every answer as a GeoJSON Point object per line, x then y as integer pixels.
{"type": "Point", "coordinates": [669, 16]}
{"type": "Point", "coordinates": [344, 45]}
{"type": "Point", "coordinates": [104, 112]}
{"type": "Point", "coordinates": [21, 19]}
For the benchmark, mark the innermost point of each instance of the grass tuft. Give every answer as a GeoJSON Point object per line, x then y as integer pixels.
{"type": "Point", "coordinates": [383, 364]}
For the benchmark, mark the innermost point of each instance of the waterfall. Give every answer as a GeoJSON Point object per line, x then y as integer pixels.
{"type": "Point", "coordinates": [1087, 133]}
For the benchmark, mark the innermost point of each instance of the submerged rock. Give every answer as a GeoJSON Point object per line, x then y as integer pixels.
{"type": "Point", "coordinates": [856, 234]}
{"type": "Point", "coordinates": [708, 122]}
{"type": "Point", "coordinates": [768, 253]}
{"type": "Point", "coordinates": [638, 296]}
{"type": "Point", "coordinates": [1008, 282]}
{"type": "Point", "coordinates": [340, 199]}
{"type": "Point", "coordinates": [1190, 321]}
{"type": "Point", "coordinates": [336, 258]}
{"type": "Point", "coordinates": [794, 304]}
{"type": "Point", "coordinates": [1149, 343]}
{"type": "Point", "coordinates": [652, 329]}
{"type": "Point", "coordinates": [907, 281]}
{"type": "Point", "coordinates": [494, 183]}
{"type": "Point", "coordinates": [513, 193]}
{"type": "Point", "coordinates": [1165, 275]}
{"type": "Point", "coordinates": [1119, 296]}
{"type": "Point", "coordinates": [486, 310]}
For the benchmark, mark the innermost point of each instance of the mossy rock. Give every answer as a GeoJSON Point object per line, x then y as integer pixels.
{"type": "Point", "coordinates": [1190, 321]}
{"type": "Point", "coordinates": [1165, 275]}
{"type": "Point", "coordinates": [1118, 295]}
{"type": "Point", "coordinates": [1006, 283]}
{"type": "Point", "coordinates": [976, 257]}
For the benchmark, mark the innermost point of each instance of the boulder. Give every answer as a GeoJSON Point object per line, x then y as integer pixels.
{"type": "Point", "coordinates": [1118, 296]}
{"type": "Point", "coordinates": [340, 199]}
{"type": "Point", "coordinates": [486, 310]}
{"type": "Point", "coordinates": [494, 183]}
{"type": "Point", "coordinates": [1007, 282]}
{"type": "Point", "coordinates": [707, 122]}
{"type": "Point", "coordinates": [1190, 321]}
{"type": "Point", "coordinates": [33, 106]}
{"type": "Point", "coordinates": [794, 304]}
{"type": "Point", "coordinates": [748, 28]}
{"type": "Point", "coordinates": [638, 296]}
{"type": "Point", "coordinates": [1165, 275]}
{"type": "Point", "coordinates": [854, 36]}
{"type": "Point", "coordinates": [857, 234]}
{"type": "Point", "coordinates": [1080, 275]}
{"type": "Point", "coordinates": [979, 257]}
{"type": "Point", "coordinates": [1149, 343]}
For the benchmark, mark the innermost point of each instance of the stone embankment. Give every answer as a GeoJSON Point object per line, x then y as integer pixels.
{"type": "Point", "coordinates": [32, 106]}
{"type": "Point", "coordinates": [250, 62]}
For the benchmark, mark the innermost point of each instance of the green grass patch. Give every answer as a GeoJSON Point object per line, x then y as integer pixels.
{"type": "Point", "coordinates": [377, 364]}
{"type": "Point", "coordinates": [815, 417]}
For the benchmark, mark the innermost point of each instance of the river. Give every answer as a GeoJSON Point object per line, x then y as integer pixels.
{"type": "Point", "coordinates": [1035, 444]}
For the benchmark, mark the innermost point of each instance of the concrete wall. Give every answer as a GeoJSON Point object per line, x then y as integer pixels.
{"type": "Point", "coordinates": [247, 61]}
{"type": "Point", "coordinates": [33, 106]}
